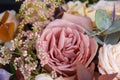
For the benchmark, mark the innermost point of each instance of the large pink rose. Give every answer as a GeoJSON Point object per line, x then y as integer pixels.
{"type": "Point", "coordinates": [67, 44]}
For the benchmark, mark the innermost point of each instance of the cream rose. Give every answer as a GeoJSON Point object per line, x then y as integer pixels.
{"type": "Point", "coordinates": [109, 59]}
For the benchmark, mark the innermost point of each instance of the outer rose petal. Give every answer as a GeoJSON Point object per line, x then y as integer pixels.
{"type": "Point", "coordinates": [93, 50]}
{"type": "Point", "coordinates": [80, 20]}
{"type": "Point", "coordinates": [64, 24]}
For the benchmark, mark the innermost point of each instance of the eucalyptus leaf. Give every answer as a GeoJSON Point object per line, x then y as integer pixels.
{"type": "Point", "coordinates": [112, 38]}
{"type": "Point", "coordinates": [99, 40]}
{"type": "Point", "coordinates": [114, 28]}
{"type": "Point", "coordinates": [94, 33]}
{"type": "Point", "coordinates": [102, 19]}
{"type": "Point", "coordinates": [90, 33]}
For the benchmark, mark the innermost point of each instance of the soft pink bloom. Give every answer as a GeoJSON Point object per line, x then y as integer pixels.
{"type": "Point", "coordinates": [67, 44]}
{"type": "Point", "coordinates": [109, 59]}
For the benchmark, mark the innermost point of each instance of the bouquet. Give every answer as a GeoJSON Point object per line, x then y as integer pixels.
{"type": "Point", "coordinates": [58, 40]}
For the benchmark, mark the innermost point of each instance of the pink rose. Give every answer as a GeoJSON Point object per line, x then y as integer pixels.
{"type": "Point", "coordinates": [66, 44]}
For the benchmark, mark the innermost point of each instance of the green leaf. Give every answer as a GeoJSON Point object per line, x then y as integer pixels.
{"type": "Point", "coordinates": [99, 40]}
{"type": "Point", "coordinates": [90, 33]}
{"type": "Point", "coordinates": [102, 19]}
{"type": "Point", "coordinates": [35, 72]}
{"type": "Point", "coordinates": [12, 68]}
{"type": "Point", "coordinates": [95, 35]}
{"type": "Point", "coordinates": [13, 77]}
{"type": "Point", "coordinates": [115, 27]}
{"type": "Point", "coordinates": [112, 38]}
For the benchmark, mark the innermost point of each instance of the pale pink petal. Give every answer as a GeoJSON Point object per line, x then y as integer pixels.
{"type": "Point", "coordinates": [61, 39]}
{"type": "Point", "coordinates": [80, 20]}
{"type": "Point", "coordinates": [93, 49]}
{"type": "Point", "coordinates": [77, 35]}
{"type": "Point", "coordinates": [86, 42]}
{"type": "Point", "coordinates": [52, 53]}
{"type": "Point", "coordinates": [68, 30]}
{"type": "Point", "coordinates": [53, 42]}
{"type": "Point", "coordinates": [64, 24]}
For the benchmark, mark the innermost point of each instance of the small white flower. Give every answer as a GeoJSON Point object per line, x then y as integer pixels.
{"type": "Point", "coordinates": [24, 53]}
{"type": "Point", "coordinates": [10, 45]}
{"type": "Point", "coordinates": [44, 76]}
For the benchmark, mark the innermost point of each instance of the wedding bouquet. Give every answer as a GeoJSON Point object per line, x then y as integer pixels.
{"type": "Point", "coordinates": [58, 40]}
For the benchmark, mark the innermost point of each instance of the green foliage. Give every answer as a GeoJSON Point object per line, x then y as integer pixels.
{"type": "Point", "coordinates": [105, 27]}
{"type": "Point", "coordinates": [102, 19]}
{"type": "Point", "coordinates": [112, 38]}
{"type": "Point", "coordinates": [115, 27]}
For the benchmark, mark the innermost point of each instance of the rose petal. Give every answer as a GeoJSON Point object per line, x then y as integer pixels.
{"type": "Point", "coordinates": [61, 40]}
{"type": "Point", "coordinates": [85, 22]}
{"type": "Point", "coordinates": [62, 23]}
{"type": "Point", "coordinates": [93, 49]}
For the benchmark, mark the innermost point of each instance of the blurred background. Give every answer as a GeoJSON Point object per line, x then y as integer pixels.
{"type": "Point", "coordinates": [11, 4]}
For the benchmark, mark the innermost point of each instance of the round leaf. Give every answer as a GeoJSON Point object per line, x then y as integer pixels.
{"type": "Point", "coordinates": [115, 27]}
{"type": "Point", "coordinates": [112, 38]}
{"type": "Point", "coordinates": [102, 19]}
